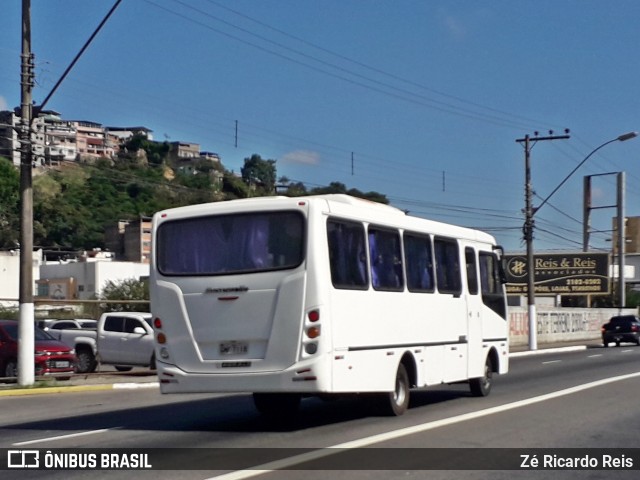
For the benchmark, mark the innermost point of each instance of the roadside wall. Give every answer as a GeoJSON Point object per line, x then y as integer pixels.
{"type": "Point", "coordinates": [561, 324]}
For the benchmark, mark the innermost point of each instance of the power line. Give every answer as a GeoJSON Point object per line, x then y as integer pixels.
{"type": "Point", "coordinates": [375, 69]}
{"type": "Point", "coordinates": [400, 93]}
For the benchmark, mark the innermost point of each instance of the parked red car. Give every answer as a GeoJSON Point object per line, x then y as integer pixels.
{"type": "Point", "coordinates": [51, 356]}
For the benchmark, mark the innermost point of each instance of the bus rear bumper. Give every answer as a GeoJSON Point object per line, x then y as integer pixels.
{"type": "Point", "coordinates": [299, 380]}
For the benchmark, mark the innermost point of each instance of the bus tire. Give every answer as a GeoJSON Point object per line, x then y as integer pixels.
{"type": "Point", "coordinates": [277, 404]}
{"type": "Point", "coordinates": [152, 363]}
{"type": "Point", "coordinates": [481, 387]}
{"type": "Point", "coordinates": [395, 403]}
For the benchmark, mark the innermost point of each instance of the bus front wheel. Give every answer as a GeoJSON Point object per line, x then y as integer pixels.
{"type": "Point", "coordinates": [480, 387]}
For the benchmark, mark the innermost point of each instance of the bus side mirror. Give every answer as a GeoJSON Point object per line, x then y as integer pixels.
{"type": "Point", "coordinates": [502, 263]}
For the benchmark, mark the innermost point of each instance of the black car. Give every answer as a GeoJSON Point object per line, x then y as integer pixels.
{"type": "Point", "coordinates": [623, 328]}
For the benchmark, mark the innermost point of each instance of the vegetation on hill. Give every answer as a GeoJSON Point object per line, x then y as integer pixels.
{"type": "Point", "coordinates": [73, 204]}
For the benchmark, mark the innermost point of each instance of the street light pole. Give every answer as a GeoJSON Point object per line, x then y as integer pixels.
{"type": "Point", "coordinates": [530, 212]}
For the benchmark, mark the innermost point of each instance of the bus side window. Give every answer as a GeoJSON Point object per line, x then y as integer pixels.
{"type": "Point", "coordinates": [490, 284]}
{"type": "Point", "coordinates": [347, 255]}
{"type": "Point", "coordinates": [386, 260]}
{"type": "Point", "coordinates": [472, 271]}
{"type": "Point", "coordinates": [447, 266]}
{"type": "Point", "coordinates": [418, 263]}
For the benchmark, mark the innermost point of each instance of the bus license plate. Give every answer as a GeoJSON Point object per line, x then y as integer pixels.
{"type": "Point", "coordinates": [233, 348]}
{"type": "Point", "coordinates": [61, 364]}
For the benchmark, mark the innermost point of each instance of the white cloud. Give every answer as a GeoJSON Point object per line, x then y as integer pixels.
{"type": "Point", "coordinates": [453, 24]}
{"type": "Point", "coordinates": [3, 103]}
{"type": "Point", "coordinates": [455, 27]}
{"type": "Point", "coordinates": [305, 157]}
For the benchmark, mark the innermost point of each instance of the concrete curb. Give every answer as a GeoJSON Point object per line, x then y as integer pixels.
{"type": "Point", "coordinates": [15, 392]}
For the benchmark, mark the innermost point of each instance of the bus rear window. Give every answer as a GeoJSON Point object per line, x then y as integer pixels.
{"type": "Point", "coordinates": [228, 244]}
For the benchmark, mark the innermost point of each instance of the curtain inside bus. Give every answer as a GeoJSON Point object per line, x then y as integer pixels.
{"type": "Point", "coordinates": [229, 244]}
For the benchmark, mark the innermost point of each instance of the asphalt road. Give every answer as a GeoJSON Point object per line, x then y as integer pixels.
{"type": "Point", "coordinates": [584, 399]}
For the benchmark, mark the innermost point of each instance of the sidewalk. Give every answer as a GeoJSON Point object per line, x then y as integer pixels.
{"type": "Point", "coordinates": [144, 378]}
{"type": "Point", "coordinates": [105, 380]}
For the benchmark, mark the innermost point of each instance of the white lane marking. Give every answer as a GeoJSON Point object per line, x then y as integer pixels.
{"type": "Point", "coordinates": [63, 437]}
{"type": "Point", "coordinates": [594, 356]}
{"type": "Point", "coordinates": [551, 361]}
{"type": "Point", "coordinates": [402, 432]}
{"type": "Point", "coordinates": [546, 351]}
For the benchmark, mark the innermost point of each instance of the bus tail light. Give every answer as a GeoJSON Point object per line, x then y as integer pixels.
{"type": "Point", "coordinates": [313, 332]}
{"type": "Point", "coordinates": [157, 323]}
{"type": "Point", "coordinates": [311, 348]}
{"type": "Point", "coordinates": [161, 338]}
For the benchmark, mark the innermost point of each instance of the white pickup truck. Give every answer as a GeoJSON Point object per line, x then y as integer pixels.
{"type": "Point", "coordinates": [122, 339]}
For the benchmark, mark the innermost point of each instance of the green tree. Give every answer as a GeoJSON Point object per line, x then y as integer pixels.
{"type": "Point", "coordinates": [156, 152]}
{"type": "Point", "coordinates": [260, 174]}
{"type": "Point", "coordinates": [333, 187]}
{"type": "Point", "coordinates": [337, 187]}
{"type": "Point", "coordinates": [127, 289]}
{"type": "Point", "coordinates": [9, 204]}
{"type": "Point", "coordinates": [373, 196]}
{"type": "Point", "coordinates": [296, 189]}
{"type": "Point", "coordinates": [233, 187]}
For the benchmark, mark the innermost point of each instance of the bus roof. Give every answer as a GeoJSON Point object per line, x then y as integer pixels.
{"type": "Point", "coordinates": [339, 203]}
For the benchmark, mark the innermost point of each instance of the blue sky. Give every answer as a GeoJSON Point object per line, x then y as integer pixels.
{"type": "Point", "coordinates": [427, 97]}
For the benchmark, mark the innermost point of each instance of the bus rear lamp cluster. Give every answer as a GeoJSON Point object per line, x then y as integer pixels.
{"type": "Point", "coordinates": [161, 338]}
{"type": "Point", "coordinates": [312, 332]}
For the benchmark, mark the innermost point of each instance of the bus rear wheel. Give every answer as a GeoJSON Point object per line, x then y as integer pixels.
{"type": "Point", "coordinates": [395, 403]}
{"type": "Point", "coordinates": [277, 404]}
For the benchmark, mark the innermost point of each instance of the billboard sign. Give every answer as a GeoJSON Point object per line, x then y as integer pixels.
{"type": "Point", "coordinates": [560, 274]}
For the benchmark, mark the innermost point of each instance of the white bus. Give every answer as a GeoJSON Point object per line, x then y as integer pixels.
{"type": "Point", "coordinates": [320, 295]}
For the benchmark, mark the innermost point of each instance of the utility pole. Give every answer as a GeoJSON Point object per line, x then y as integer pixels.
{"type": "Point", "coordinates": [529, 212]}
{"type": "Point", "coordinates": [26, 370]}
{"type": "Point", "coordinates": [586, 212]}
{"type": "Point", "coordinates": [26, 342]}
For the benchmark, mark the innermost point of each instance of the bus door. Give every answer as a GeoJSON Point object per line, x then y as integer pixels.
{"type": "Point", "coordinates": [452, 305]}
{"type": "Point", "coordinates": [475, 362]}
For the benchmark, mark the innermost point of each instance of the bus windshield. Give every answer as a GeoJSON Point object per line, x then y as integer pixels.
{"type": "Point", "coordinates": [230, 244]}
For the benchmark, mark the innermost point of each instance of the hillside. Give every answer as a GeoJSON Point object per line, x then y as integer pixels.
{"type": "Point", "coordinates": [74, 202]}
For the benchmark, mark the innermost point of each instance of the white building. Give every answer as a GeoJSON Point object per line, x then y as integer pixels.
{"type": "Point", "coordinates": [85, 280]}
{"type": "Point", "coordinates": [10, 275]}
